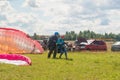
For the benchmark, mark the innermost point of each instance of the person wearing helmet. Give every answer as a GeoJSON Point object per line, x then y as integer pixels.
{"type": "Point", "coordinates": [52, 45]}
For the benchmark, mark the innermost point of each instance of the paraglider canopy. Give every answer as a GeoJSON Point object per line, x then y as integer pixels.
{"type": "Point", "coordinates": [16, 41]}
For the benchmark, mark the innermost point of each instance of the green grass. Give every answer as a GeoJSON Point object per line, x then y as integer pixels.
{"type": "Point", "coordinates": [80, 66]}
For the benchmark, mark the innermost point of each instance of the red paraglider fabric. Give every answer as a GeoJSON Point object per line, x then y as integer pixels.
{"type": "Point", "coordinates": [16, 41]}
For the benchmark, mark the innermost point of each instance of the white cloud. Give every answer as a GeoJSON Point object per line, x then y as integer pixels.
{"type": "Point", "coordinates": [45, 17]}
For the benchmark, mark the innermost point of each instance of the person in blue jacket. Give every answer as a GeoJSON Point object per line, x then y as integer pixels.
{"type": "Point", "coordinates": [61, 47]}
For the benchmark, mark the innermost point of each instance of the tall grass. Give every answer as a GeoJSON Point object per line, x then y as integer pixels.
{"type": "Point", "coordinates": [79, 66]}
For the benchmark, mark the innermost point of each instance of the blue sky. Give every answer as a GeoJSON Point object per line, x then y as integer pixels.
{"type": "Point", "coordinates": [48, 16]}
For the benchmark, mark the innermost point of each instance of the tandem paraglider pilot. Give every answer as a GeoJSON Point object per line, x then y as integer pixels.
{"type": "Point", "coordinates": [52, 45]}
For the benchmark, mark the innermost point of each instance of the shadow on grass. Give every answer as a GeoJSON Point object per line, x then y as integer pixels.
{"type": "Point", "coordinates": [69, 59]}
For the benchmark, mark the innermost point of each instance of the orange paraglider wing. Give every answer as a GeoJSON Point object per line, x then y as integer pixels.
{"type": "Point", "coordinates": [16, 41]}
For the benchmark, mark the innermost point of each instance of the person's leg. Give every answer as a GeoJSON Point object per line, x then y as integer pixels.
{"type": "Point", "coordinates": [66, 55]}
{"type": "Point", "coordinates": [60, 55]}
{"type": "Point", "coordinates": [61, 52]}
{"type": "Point", "coordinates": [50, 52]}
{"type": "Point", "coordinates": [55, 52]}
{"type": "Point", "coordinates": [65, 51]}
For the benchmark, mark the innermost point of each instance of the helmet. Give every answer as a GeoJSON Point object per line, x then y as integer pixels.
{"type": "Point", "coordinates": [56, 33]}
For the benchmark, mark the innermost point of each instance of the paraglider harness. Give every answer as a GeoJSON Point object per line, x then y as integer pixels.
{"type": "Point", "coordinates": [61, 48]}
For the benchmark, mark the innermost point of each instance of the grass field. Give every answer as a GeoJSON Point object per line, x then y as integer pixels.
{"type": "Point", "coordinates": [80, 66]}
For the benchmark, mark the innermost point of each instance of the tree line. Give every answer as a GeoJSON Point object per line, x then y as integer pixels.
{"type": "Point", "coordinates": [72, 35]}
{"type": "Point", "coordinates": [91, 35]}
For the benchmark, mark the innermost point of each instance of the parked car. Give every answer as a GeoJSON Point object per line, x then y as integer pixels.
{"type": "Point", "coordinates": [116, 46]}
{"type": "Point", "coordinates": [91, 45]}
